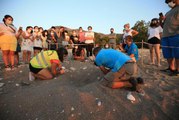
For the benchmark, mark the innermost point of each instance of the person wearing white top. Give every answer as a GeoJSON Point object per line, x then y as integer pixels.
{"type": "Point", "coordinates": [127, 32]}
{"type": "Point", "coordinates": [154, 36]}
{"type": "Point", "coordinates": [27, 44]}
{"type": "Point", "coordinates": [89, 41]}
{"type": "Point", "coordinates": [44, 40]}
{"type": "Point", "coordinates": [37, 40]}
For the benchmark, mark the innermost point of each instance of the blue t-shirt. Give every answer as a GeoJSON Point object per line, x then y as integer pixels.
{"type": "Point", "coordinates": [111, 58]}
{"type": "Point", "coordinates": [132, 50]}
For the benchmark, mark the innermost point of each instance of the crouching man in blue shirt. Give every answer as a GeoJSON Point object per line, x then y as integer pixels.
{"type": "Point", "coordinates": [118, 69]}
{"type": "Point", "coordinates": [131, 49]}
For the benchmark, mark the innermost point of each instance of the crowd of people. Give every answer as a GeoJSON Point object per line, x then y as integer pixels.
{"type": "Point", "coordinates": [47, 48]}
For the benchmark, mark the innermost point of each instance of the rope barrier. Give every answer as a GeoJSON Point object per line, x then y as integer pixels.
{"type": "Point", "coordinates": [94, 44]}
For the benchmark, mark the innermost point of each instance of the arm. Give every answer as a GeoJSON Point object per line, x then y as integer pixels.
{"type": "Point", "coordinates": [112, 36]}
{"type": "Point", "coordinates": [134, 33]}
{"type": "Point", "coordinates": [24, 36]}
{"type": "Point", "coordinates": [57, 69]}
{"type": "Point", "coordinates": [121, 48]}
{"type": "Point", "coordinates": [104, 70]}
{"type": "Point", "coordinates": [132, 55]}
{"type": "Point", "coordinates": [19, 33]}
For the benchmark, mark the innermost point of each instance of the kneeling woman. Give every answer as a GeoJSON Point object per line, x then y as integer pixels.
{"type": "Point", "coordinates": [40, 63]}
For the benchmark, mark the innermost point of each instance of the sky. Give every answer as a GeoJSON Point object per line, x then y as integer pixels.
{"type": "Point", "coordinates": [100, 14]}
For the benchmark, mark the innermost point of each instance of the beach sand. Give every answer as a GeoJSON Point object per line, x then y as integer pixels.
{"type": "Point", "coordinates": [78, 95]}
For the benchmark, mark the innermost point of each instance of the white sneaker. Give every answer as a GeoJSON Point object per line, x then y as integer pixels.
{"type": "Point", "coordinates": [8, 69]}
{"type": "Point", "coordinates": [31, 77]}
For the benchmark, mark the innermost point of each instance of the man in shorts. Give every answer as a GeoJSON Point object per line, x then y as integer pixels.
{"type": "Point", "coordinates": [170, 37]}
{"type": "Point", "coordinates": [118, 69]}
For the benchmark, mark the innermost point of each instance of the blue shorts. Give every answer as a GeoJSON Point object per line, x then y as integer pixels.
{"type": "Point", "coordinates": [172, 41]}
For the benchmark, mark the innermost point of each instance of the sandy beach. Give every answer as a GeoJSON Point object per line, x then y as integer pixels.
{"type": "Point", "coordinates": [78, 95]}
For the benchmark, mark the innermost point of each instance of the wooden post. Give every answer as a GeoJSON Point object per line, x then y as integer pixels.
{"type": "Point", "coordinates": [142, 52]}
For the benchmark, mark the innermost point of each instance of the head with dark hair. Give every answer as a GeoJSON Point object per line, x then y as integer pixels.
{"type": "Point", "coordinates": [96, 50]}
{"type": "Point", "coordinates": [154, 22]}
{"type": "Point", "coordinates": [45, 33]}
{"type": "Point", "coordinates": [61, 29]}
{"type": "Point", "coordinates": [53, 27]}
{"type": "Point", "coordinates": [128, 38]}
{"type": "Point", "coordinates": [90, 28]}
{"type": "Point", "coordinates": [7, 17]}
{"type": "Point", "coordinates": [28, 27]}
{"type": "Point", "coordinates": [167, 1]}
{"type": "Point", "coordinates": [161, 14]}
{"type": "Point", "coordinates": [62, 52]}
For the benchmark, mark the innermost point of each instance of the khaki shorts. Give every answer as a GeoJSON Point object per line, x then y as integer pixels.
{"type": "Point", "coordinates": [8, 42]}
{"type": "Point", "coordinates": [128, 69]}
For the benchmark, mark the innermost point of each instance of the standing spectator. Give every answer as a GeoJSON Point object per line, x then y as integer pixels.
{"type": "Point", "coordinates": [61, 34]}
{"type": "Point", "coordinates": [27, 44]}
{"type": "Point", "coordinates": [66, 41]}
{"type": "Point", "coordinates": [154, 36]}
{"type": "Point", "coordinates": [161, 19]}
{"type": "Point", "coordinates": [53, 45]}
{"type": "Point", "coordinates": [112, 39]}
{"type": "Point", "coordinates": [8, 41]}
{"type": "Point", "coordinates": [89, 41]}
{"type": "Point", "coordinates": [44, 37]}
{"type": "Point", "coordinates": [81, 37]}
{"type": "Point", "coordinates": [74, 40]}
{"type": "Point", "coordinates": [40, 31]}
{"type": "Point", "coordinates": [171, 37]}
{"type": "Point", "coordinates": [18, 49]}
{"type": "Point", "coordinates": [53, 28]}
{"type": "Point", "coordinates": [37, 42]}
{"type": "Point", "coordinates": [127, 31]}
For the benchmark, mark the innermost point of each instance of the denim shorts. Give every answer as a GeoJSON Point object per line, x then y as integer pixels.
{"type": "Point", "coordinates": [172, 41]}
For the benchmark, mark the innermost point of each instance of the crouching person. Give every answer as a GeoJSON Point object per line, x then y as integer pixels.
{"type": "Point", "coordinates": [78, 53]}
{"type": "Point", "coordinates": [40, 63]}
{"type": "Point", "coordinates": [118, 69]}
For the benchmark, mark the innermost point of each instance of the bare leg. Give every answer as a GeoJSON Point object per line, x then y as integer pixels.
{"type": "Point", "coordinates": [44, 75]}
{"type": "Point", "coordinates": [157, 52]}
{"type": "Point", "coordinates": [177, 64]}
{"type": "Point", "coordinates": [12, 58]}
{"type": "Point", "coordinates": [151, 54]}
{"type": "Point", "coordinates": [29, 56]}
{"type": "Point", "coordinates": [120, 79]}
{"type": "Point", "coordinates": [171, 62]}
{"type": "Point", "coordinates": [5, 54]}
{"type": "Point", "coordinates": [24, 56]}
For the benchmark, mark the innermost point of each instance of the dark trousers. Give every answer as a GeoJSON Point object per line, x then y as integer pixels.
{"type": "Point", "coordinates": [89, 49]}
